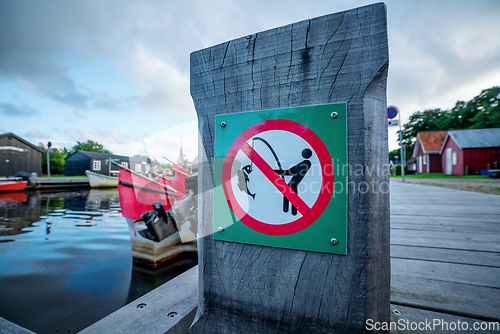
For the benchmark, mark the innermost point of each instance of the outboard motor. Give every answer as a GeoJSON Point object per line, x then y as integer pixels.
{"type": "Point", "coordinates": [25, 176]}
{"type": "Point", "coordinates": [31, 178]}
{"type": "Point", "coordinates": [185, 211]}
{"type": "Point", "coordinates": [159, 224]}
{"type": "Point", "coordinates": [182, 217]}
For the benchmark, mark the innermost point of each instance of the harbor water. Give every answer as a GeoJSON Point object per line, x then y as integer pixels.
{"type": "Point", "coordinates": [66, 260]}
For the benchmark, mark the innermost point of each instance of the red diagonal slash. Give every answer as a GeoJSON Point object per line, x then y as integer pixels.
{"type": "Point", "coordinates": [278, 182]}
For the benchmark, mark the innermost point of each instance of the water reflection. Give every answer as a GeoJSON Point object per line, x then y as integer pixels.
{"type": "Point", "coordinates": [17, 211]}
{"type": "Point", "coordinates": [66, 260]}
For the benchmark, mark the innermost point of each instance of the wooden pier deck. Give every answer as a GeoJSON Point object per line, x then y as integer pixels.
{"type": "Point", "coordinates": [445, 255]}
{"type": "Point", "coordinates": [60, 183]}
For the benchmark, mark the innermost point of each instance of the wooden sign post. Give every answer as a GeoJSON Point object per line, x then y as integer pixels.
{"type": "Point", "coordinates": [247, 285]}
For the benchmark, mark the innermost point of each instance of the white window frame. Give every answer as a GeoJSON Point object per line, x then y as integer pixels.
{"type": "Point", "coordinates": [454, 158]}
{"type": "Point", "coordinates": [124, 164]}
{"type": "Point", "coordinates": [96, 165]}
{"type": "Point", "coordinates": [425, 160]}
{"type": "Point", "coordinates": [138, 168]}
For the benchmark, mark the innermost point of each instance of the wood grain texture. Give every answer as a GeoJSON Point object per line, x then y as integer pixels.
{"type": "Point", "coordinates": [443, 322]}
{"type": "Point", "coordinates": [446, 254]}
{"type": "Point", "coordinates": [7, 327]}
{"type": "Point", "coordinates": [244, 288]}
{"type": "Point", "coordinates": [438, 254]}
{"type": "Point", "coordinates": [468, 300]}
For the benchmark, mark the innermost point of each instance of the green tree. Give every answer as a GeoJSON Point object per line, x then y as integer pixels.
{"type": "Point", "coordinates": [90, 146]}
{"type": "Point", "coordinates": [57, 160]}
{"type": "Point", "coordinates": [427, 120]}
{"type": "Point", "coordinates": [487, 109]}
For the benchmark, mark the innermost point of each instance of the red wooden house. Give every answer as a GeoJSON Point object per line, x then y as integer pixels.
{"type": "Point", "coordinates": [467, 152]}
{"type": "Point", "coordinates": [427, 151]}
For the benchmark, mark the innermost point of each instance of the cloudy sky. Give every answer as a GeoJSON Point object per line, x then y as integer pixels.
{"type": "Point", "coordinates": [117, 72]}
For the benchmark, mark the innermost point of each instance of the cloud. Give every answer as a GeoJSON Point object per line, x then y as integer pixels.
{"type": "Point", "coordinates": [35, 134]}
{"type": "Point", "coordinates": [43, 43]}
{"type": "Point", "coordinates": [105, 101]}
{"type": "Point", "coordinates": [438, 50]}
{"type": "Point", "coordinates": [167, 143]}
{"type": "Point", "coordinates": [112, 139]}
{"type": "Point", "coordinates": [166, 87]}
{"type": "Point", "coordinates": [11, 110]}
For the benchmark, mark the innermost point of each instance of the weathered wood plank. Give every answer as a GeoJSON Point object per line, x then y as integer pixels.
{"type": "Point", "coordinates": [476, 227]}
{"type": "Point", "coordinates": [448, 220]}
{"type": "Point", "coordinates": [401, 315]}
{"type": "Point", "coordinates": [481, 213]}
{"type": "Point", "coordinates": [446, 255]}
{"type": "Point", "coordinates": [7, 327]}
{"type": "Point", "coordinates": [169, 308]}
{"type": "Point", "coordinates": [458, 237]}
{"type": "Point", "coordinates": [450, 272]}
{"type": "Point", "coordinates": [485, 246]}
{"type": "Point", "coordinates": [246, 288]}
{"type": "Point", "coordinates": [478, 302]}
{"type": "Point", "coordinates": [445, 249]}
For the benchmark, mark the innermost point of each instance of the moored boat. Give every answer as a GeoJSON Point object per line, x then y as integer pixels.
{"type": "Point", "coordinates": [12, 184]}
{"type": "Point", "coordinates": [101, 181]}
{"type": "Point", "coordinates": [162, 220]}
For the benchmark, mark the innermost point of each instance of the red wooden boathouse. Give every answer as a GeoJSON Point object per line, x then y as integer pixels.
{"type": "Point", "coordinates": [427, 151]}
{"type": "Point", "coordinates": [467, 152]}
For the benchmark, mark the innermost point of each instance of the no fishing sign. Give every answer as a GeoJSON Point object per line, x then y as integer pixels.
{"type": "Point", "coordinates": [277, 176]}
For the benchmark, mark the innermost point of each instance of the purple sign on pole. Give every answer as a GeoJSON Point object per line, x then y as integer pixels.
{"type": "Point", "coordinates": [392, 112]}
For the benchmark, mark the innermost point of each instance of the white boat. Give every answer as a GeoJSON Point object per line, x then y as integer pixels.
{"type": "Point", "coordinates": [101, 181]}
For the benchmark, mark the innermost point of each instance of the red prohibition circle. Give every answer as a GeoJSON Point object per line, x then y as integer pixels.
{"type": "Point", "coordinates": [327, 183]}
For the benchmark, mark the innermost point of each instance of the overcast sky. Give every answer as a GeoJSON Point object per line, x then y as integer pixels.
{"type": "Point", "coordinates": [117, 72]}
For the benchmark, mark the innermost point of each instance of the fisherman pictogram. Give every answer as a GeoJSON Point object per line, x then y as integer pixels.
{"type": "Point", "coordinates": [296, 172]}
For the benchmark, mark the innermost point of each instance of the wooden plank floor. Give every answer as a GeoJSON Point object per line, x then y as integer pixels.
{"type": "Point", "coordinates": [445, 253]}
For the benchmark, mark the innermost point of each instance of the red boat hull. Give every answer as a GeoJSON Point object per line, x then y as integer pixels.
{"type": "Point", "coordinates": [13, 186]}
{"type": "Point", "coordinates": [136, 200]}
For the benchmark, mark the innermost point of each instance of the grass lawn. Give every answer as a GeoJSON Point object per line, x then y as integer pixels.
{"type": "Point", "coordinates": [441, 176]}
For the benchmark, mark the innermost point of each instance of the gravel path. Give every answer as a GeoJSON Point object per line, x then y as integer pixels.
{"type": "Point", "coordinates": [486, 186]}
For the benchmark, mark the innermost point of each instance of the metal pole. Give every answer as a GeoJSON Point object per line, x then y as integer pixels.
{"type": "Point", "coordinates": [401, 149]}
{"type": "Point", "coordinates": [48, 161]}
{"type": "Point", "coordinates": [404, 155]}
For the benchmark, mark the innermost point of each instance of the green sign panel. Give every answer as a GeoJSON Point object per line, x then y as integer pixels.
{"type": "Point", "coordinates": [281, 178]}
